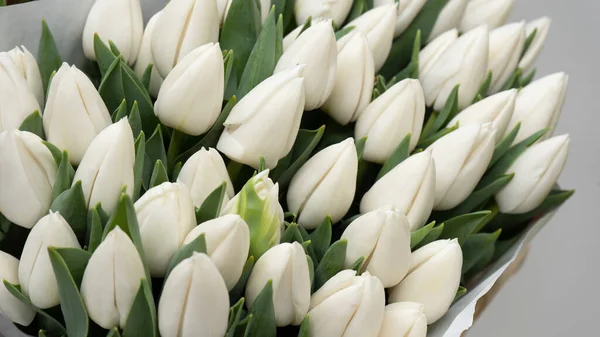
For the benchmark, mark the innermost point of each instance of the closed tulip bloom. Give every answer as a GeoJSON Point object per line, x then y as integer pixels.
{"type": "Point", "coordinates": [119, 21]}
{"type": "Point", "coordinates": [266, 121]}
{"type": "Point", "coordinates": [224, 5]}
{"type": "Point", "coordinates": [166, 215]}
{"type": "Point", "coordinates": [75, 113]}
{"type": "Point", "coordinates": [539, 105]}
{"type": "Point", "coordinates": [389, 118]}
{"type": "Point", "coordinates": [536, 172]}
{"type": "Point", "coordinates": [144, 58]}
{"type": "Point", "coordinates": [28, 175]}
{"type": "Point", "coordinates": [541, 26]}
{"type": "Point", "coordinates": [506, 47]}
{"type": "Point", "coordinates": [347, 305]}
{"type": "Point", "coordinates": [28, 66]}
{"type": "Point", "coordinates": [15, 310]}
{"type": "Point", "coordinates": [433, 278]}
{"type": "Point", "coordinates": [36, 275]}
{"type": "Point", "coordinates": [227, 243]}
{"type": "Point", "coordinates": [286, 266]}
{"type": "Point", "coordinates": [409, 187]}
{"type": "Point", "coordinates": [291, 37]}
{"type": "Point", "coordinates": [337, 10]}
{"type": "Point", "coordinates": [107, 166]}
{"type": "Point", "coordinates": [464, 63]}
{"type": "Point", "coordinates": [496, 109]}
{"type": "Point", "coordinates": [407, 11]}
{"type": "Point", "coordinates": [404, 319]}
{"type": "Point", "coordinates": [183, 26]}
{"type": "Point", "coordinates": [489, 12]}
{"type": "Point", "coordinates": [354, 79]}
{"type": "Point", "coordinates": [324, 185]}
{"type": "Point", "coordinates": [382, 237]}
{"type": "Point", "coordinates": [194, 300]}
{"type": "Point", "coordinates": [202, 173]}
{"type": "Point", "coordinates": [378, 25]}
{"type": "Point", "coordinates": [191, 96]}
{"type": "Point", "coordinates": [436, 48]}
{"type": "Point", "coordinates": [17, 101]}
{"type": "Point", "coordinates": [449, 18]}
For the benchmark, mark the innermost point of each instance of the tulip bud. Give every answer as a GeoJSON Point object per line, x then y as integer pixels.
{"type": "Point", "coordinates": [407, 11]}
{"type": "Point", "coordinates": [224, 5]}
{"type": "Point", "coordinates": [382, 237]}
{"type": "Point", "coordinates": [541, 26]}
{"type": "Point", "coordinates": [434, 49]}
{"type": "Point", "coordinates": [112, 279]}
{"type": "Point", "coordinates": [347, 305]}
{"type": "Point", "coordinates": [10, 306]}
{"type": "Point", "coordinates": [449, 18]}
{"type": "Point", "coordinates": [203, 173]}
{"type": "Point", "coordinates": [404, 319]}
{"type": "Point", "coordinates": [433, 278]}
{"type": "Point", "coordinates": [464, 63]}
{"type": "Point", "coordinates": [389, 118]}
{"type": "Point", "coordinates": [337, 10]}
{"type": "Point", "coordinates": [75, 113]}
{"type": "Point", "coordinates": [27, 65]}
{"type": "Point", "coordinates": [291, 37]}
{"type": "Point", "coordinates": [107, 166]}
{"type": "Point", "coordinates": [324, 185]}
{"type": "Point", "coordinates": [354, 79]}
{"type": "Point", "coordinates": [506, 47]}
{"type": "Point", "coordinates": [28, 174]}
{"type": "Point", "coordinates": [539, 105]}
{"type": "Point", "coordinates": [536, 172]}
{"type": "Point", "coordinates": [378, 25]}
{"type": "Point", "coordinates": [285, 265]}
{"type": "Point", "coordinates": [258, 205]}
{"type": "Point", "coordinates": [316, 49]}
{"type": "Point", "coordinates": [17, 101]}
{"type": "Point", "coordinates": [183, 26]}
{"type": "Point", "coordinates": [409, 187]}
{"type": "Point", "coordinates": [119, 21]}
{"type": "Point", "coordinates": [191, 96]}
{"type": "Point", "coordinates": [144, 57]}
{"type": "Point", "coordinates": [166, 215]}
{"type": "Point", "coordinates": [492, 13]}
{"type": "Point", "coordinates": [266, 121]}
{"type": "Point", "coordinates": [227, 243]}
{"type": "Point", "coordinates": [194, 300]}
{"type": "Point", "coordinates": [496, 109]}
{"type": "Point", "coordinates": [36, 275]}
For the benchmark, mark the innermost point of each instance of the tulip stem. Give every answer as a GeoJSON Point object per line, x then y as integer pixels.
{"type": "Point", "coordinates": [177, 139]}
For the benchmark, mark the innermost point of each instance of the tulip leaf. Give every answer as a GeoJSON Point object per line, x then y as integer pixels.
{"type": "Point", "coordinates": [462, 226]}
{"type": "Point", "coordinates": [476, 247]}
{"type": "Point", "coordinates": [240, 31]}
{"type": "Point", "coordinates": [134, 91]}
{"type": "Point", "coordinates": [64, 176]}
{"type": "Point", "coordinates": [513, 80]}
{"type": "Point", "coordinates": [104, 56]}
{"type": "Point", "coordinates": [311, 269]}
{"type": "Point", "coordinates": [263, 164]}
{"type": "Point", "coordinates": [528, 42]}
{"type": "Point", "coordinates": [412, 69]}
{"type": "Point", "coordinates": [431, 236]}
{"type": "Point", "coordinates": [263, 312]}
{"type": "Point", "coordinates": [448, 111]}
{"type": "Point", "coordinates": [524, 81]}
{"type": "Point", "coordinates": [211, 206]}
{"type": "Point", "coordinates": [331, 263]}
{"type": "Point", "coordinates": [305, 327]}
{"type": "Point", "coordinates": [228, 66]}
{"type": "Point", "coordinates": [55, 151]}
{"type": "Point", "coordinates": [2, 3]}
{"type": "Point", "coordinates": [358, 264]}
{"type": "Point", "coordinates": [305, 235]}
{"type": "Point", "coordinates": [114, 332]}
{"type": "Point", "coordinates": [238, 291]}
{"type": "Point", "coordinates": [321, 238]}
{"type": "Point", "coordinates": [34, 124]}
{"type": "Point", "coordinates": [48, 57]}
{"type": "Point", "coordinates": [147, 76]}
{"type": "Point", "coordinates": [120, 112]}
{"type": "Point", "coordinates": [358, 8]}
{"type": "Point", "coordinates": [141, 321]}
{"type": "Point", "coordinates": [177, 170]}
{"type": "Point", "coordinates": [343, 32]}
{"type": "Point", "coordinates": [235, 316]}
{"type": "Point", "coordinates": [432, 139]}
{"type": "Point", "coordinates": [94, 229]}
{"type": "Point", "coordinates": [417, 236]}
{"type": "Point", "coordinates": [41, 333]}
{"type": "Point", "coordinates": [138, 167]}
{"type": "Point", "coordinates": [155, 151]}
{"type": "Point", "coordinates": [360, 147]}
{"type": "Point", "coordinates": [198, 245]}
{"type": "Point", "coordinates": [460, 293]}
{"type": "Point", "coordinates": [401, 152]}
{"type": "Point", "coordinates": [111, 87]}
{"type": "Point", "coordinates": [484, 88]}
{"type": "Point", "coordinates": [72, 206]}
{"type": "Point", "coordinates": [135, 120]}
{"type": "Point", "coordinates": [292, 234]}
{"type": "Point", "coordinates": [242, 328]}
{"type": "Point", "coordinates": [504, 145]}
{"type": "Point", "coordinates": [159, 174]}
{"type": "Point", "coordinates": [284, 9]}
{"type": "Point", "coordinates": [113, 48]}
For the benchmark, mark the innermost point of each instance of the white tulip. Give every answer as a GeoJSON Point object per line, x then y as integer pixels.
{"type": "Point", "coordinates": [287, 267]}
{"type": "Point", "coordinates": [347, 305]}
{"type": "Point", "coordinates": [119, 21]}
{"type": "Point", "coordinates": [194, 300]}
{"type": "Point", "coordinates": [464, 63]}
{"type": "Point", "coordinates": [539, 105]}
{"type": "Point", "coordinates": [28, 175]}
{"type": "Point", "coordinates": [227, 244]}
{"type": "Point", "coordinates": [409, 187]}
{"type": "Point", "coordinates": [10, 306]}
{"type": "Point", "coordinates": [107, 166]}
{"type": "Point", "coordinates": [166, 215]}
{"type": "Point", "coordinates": [461, 159]}
{"type": "Point", "coordinates": [202, 173]}
{"type": "Point", "coordinates": [36, 275]}
{"type": "Point", "coordinates": [433, 278]}
{"type": "Point", "coordinates": [541, 26]}
{"type": "Point", "coordinates": [266, 121]}
{"type": "Point", "coordinates": [191, 96]}
{"type": "Point", "coordinates": [224, 5]}
{"type": "Point", "coordinates": [337, 10]}
{"type": "Point", "coordinates": [449, 18]}
{"type": "Point", "coordinates": [434, 49]}
{"type": "Point", "coordinates": [404, 319]}
{"type": "Point", "coordinates": [354, 79]}
{"type": "Point", "coordinates": [536, 172]}
{"type": "Point", "coordinates": [324, 185]}
{"type": "Point", "coordinates": [17, 101]}
{"type": "Point", "coordinates": [378, 25]}
{"type": "Point", "coordinates": [75, 113]}
{"type": "Point", "coordinates": [490, 12]}
{"type": "Point", "coordinates": [382, 237]}
{"type": "Point", "coordinates": [111, 280]}
{"type": "Point", "coordinates": [389, 118]}
{"type": "Point", "coordinates": [496, 109]}
{"type": "Point", "coordinates": [506, 47]}
{"type": "Point", "coordinates": [291, 37]}
{"type": "Point", "coordinates": [28, 66]}
{"type": "Point", "coordinates": [407, 11]}
{"type": "Point", "coordinates": [183, 26]}
{"type": "Point", "coordinates": [144, 57]}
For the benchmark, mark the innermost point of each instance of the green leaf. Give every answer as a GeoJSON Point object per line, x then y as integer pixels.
{"type": "Point", "coordinates": [235, 316]}
{"type": "Point", "coordinates": [460, 293]}
{"type": "Point", "coordinates": [55, 151]}
{"type": "Point", "coordinates": [211, 206]}
{"type": "Point", "coordinates": [111, 87]}
{"type": "Point", "coordinates": [2, 3]}
{"type": "Point", "coordinates": [73, 208]}
{"type": "Point", "coordinates": [449, 111]}
{"type": "Point", "coordinates": [484, 88]}
{"type": "Point", "coordinates": [504, 145]}
{"type": "Point", "coordinates": [155, 151]}
{"type": "Point", "coordinates": [360, 147]}
{"type": "Point", "coordinates": [177, 170]}
{"type": "Point", "coordinates": [305, 327]}
{"type": "Point", "coordinates": [476, 247]}
{"type": "Point", "coordinates": [321, 238]}
{"type": "Point", "coordinates": [304, 233]}
{"type": "Point", "coordinates": [343, 32]}
{"type": "Point", "coordinates": [331, 263]}
{"type": "Point", "coordinates": [311, 268]}
{"type": "Point", "coordinates": [34, 124]}
{"type": "Point", "coordinates": [135, 120]}
{"type": "Point", "coordinates": [159, 174]}
{"type": "Point", "coordinates": [431, 236]}
{"type": "Point", "coordinates": [138, 167]}
{"type": "Point", "coordinates": [141, 321]}
{"type": "Point", "coordinates": [198, 245]}
{"type": "Point", "coordinates": [114, 332]}
{"type": "Point", "coordinates": [432, 139]}
{"type": "Point", "coordinates": [306, 26]}
{"type": "Point", "coordinates": [358, 8]}
{"type": "Point", "coordinates": [292, 234]}
{"type": "Point", "coordinates": [358, 264]}
{"type": "Point", "coordinates": [401, 152]}
{"type": "Point", "coordinates": [263, 164]}
{"type": "Point", "coordinates": [113, 48]}
{"type": "Point", "coordinates": [94, 229]}
{"type": "Point", "coordinates": [528, 42]}
{"type": "Point", "coordinates": [462, 226]}
{"type": "Point", "coordinates": [513, 80]}
{"type": "Point", "coordinates": [41, 333]}
{"type": "Point", "coordinates": [263, 324]}
{"type": "Point", "coordinates": [417, 236]}
{"type": "Point", "coordinates": [412, 69]}
{"type": "Point", "coordinates": [524, 81]}
{"type": "Point", "coordinates": [147, 76]}
{"type": "Point", "coordinates": [48, 57]}
{"type": "Point", "coordinates": [135, 91]}
{"type": "Point", "coordinates": [121, 112]}
{"type": "Point", "coordinates": [64, 176]}
{"type": "Point", "coordinates": [238, 291]}
{"type": "Point", "coordinates": [104, 56]}
{"type": "Point", "coordinates": [228, 65]}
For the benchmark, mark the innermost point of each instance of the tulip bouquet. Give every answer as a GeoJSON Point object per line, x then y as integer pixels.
{"type": "Point", "coordinates": [319, 168]}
